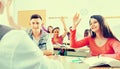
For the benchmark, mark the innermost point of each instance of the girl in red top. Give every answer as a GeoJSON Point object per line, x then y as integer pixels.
{"type": "Point", "coordinates": [101, 41]}
{"type": "Point", "coordinates": [58, 39]}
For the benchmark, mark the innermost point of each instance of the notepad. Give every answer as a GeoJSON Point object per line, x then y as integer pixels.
{"type": "Point", "coordinates": [77, 61]}
{"type": "Point", "coordinates": [74, 59]}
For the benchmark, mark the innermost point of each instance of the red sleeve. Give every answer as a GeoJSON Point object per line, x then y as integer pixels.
{"type": "Point", "coordinates": [116, 47]}
{"type": "Point", "coordinates": [79, 43]}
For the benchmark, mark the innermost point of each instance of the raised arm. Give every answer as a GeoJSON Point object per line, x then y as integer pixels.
{"type": "Point", "coordinates": [73, 42]}
{"type": "Point", "coordinates": [43, 27]}
{"type": "Point", "coordinates": [65, 28]}
{"type": "Point", "coordinates": [9, 17]}
{"type": "Point", "coordinates": [76, 21]}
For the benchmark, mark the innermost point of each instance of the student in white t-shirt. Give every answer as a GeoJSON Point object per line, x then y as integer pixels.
{"type": "Point", "coordinates": [18, 51]}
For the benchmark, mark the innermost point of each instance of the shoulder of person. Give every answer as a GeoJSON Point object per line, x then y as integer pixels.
{"type": "Point", "coordinates": [112, 40]}
{"type": "Point", "coordinates": [88, 37]}
{"type": "Point", "coordinates": [45, 34]}
{"type": "Point", "coordinates": [28, 30]}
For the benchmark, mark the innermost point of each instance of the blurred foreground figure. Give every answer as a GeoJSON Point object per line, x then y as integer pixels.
{"type": "Point", "coordinates": [18, 51]}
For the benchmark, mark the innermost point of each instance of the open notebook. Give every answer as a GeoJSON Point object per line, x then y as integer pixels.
{"type": "Point", "coordinates": [95, 61]}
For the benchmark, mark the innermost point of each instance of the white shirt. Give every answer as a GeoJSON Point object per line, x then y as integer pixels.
{"type": "Point", "coordinates": [18, 51]}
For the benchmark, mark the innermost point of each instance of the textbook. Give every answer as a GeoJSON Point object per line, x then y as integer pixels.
{"type": "Point", "coordinates": [101, 61]}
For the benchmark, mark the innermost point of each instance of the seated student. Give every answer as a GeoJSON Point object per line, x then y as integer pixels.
{"type": "Point", "coordinates": [101, 42]}
{"type": "Point", "coordinates": [58, 39]}
{"type": "Point", "coordinates": [18, 51]}
{"type": "Point", "coordinates": [48, 30]}
{"type": "Point", "coordinates": [86, 32]}
{"type": "Point", "coordinates": [38, 35]}
{"type": "Point", "coordinates": [68, 33]}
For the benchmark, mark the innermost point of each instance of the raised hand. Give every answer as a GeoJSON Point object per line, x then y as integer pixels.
{"type": "Point", "coordinates": [8, 3]}
{"type": "Point", "coordinates": [64, 25]}
{"type": "Point", "coordinates": [9, 16]}
{"type": "Point", "coordinates": [62, 19]}
{"type": "Point", "coordinates": [76, 20]}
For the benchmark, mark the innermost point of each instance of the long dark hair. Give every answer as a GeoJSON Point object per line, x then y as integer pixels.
{"type": "Point", "coordinates": [48, 29]}
{"type": "Point", "coordinates": [55, 29]}
{"type": "Point", "coordinates": [105, 29]}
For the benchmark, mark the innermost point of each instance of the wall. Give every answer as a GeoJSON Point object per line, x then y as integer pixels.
{"type": "Point", "coordinates": [24, 17]}
{"type": "Point", "coordinates": [67, 8]}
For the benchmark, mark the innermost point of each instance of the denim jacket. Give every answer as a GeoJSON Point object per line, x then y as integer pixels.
{"type": "Point", "coordinates": [43, 39]}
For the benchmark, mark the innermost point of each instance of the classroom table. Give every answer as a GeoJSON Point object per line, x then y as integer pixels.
{"type": "Point", "coordinates": [73, 63]}
{"type": "Point", "coordinates": [84, 51]}
{"type": "Point", "coordinates": [70, 62]}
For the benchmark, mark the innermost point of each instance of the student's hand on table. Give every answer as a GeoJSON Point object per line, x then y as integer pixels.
{"type": "Point", "coordinates": [48, 52]}
{"type": "Point", "coordinates": [56, 57]}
